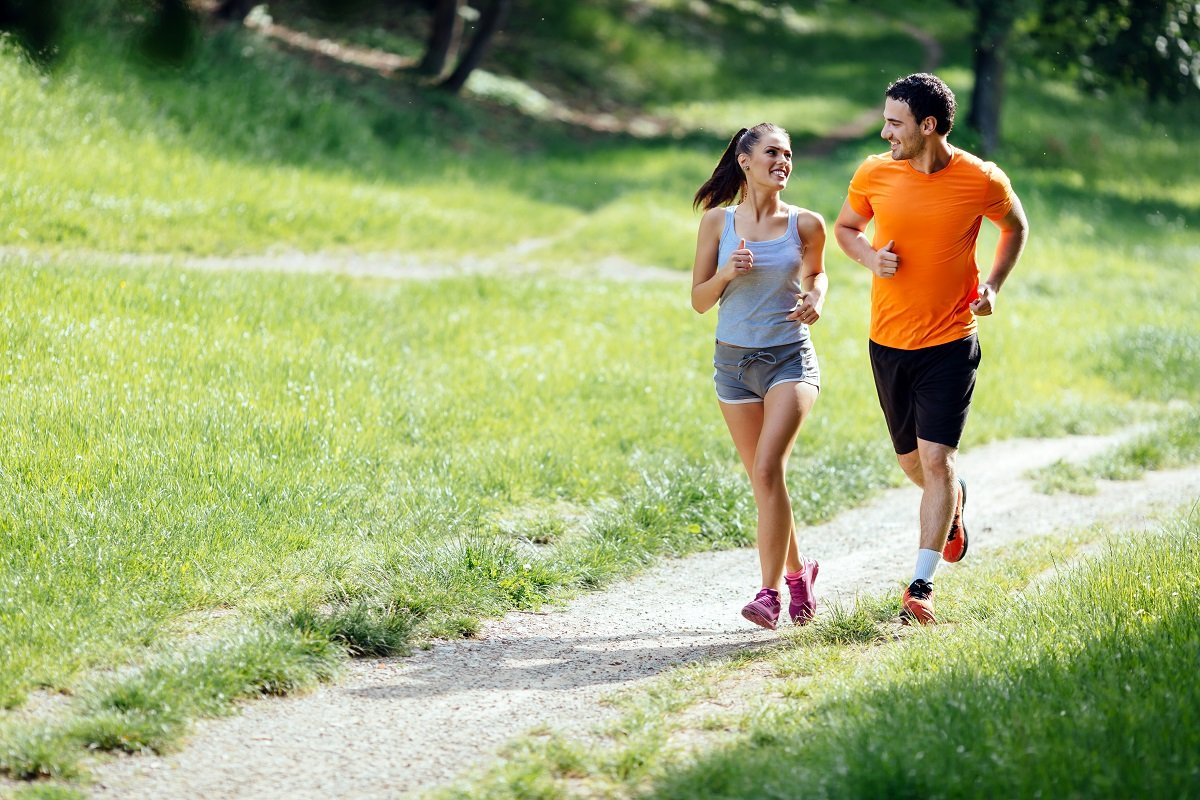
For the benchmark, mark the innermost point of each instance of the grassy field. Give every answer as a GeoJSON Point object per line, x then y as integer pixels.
{"type": "Point", "coordinates": [203, 470]}
{"type": "Point", "coordinates": [1069, 682]}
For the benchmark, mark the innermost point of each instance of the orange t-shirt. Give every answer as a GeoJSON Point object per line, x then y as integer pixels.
{"type": "Point", "coordinates": [934, 220]}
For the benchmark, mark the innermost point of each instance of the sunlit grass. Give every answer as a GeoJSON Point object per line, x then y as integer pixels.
{"type": "Point", "coordinates": [1039, 648]}
{"type": "Point", "coordinates": [1172, 443]}
{"type": "Point", "coordinates": [406, 444]}
{"type": "Point", "coordinates": [1056, 667]}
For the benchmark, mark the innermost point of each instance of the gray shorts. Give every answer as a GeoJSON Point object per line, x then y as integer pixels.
{"type": "Point", "coordinates": [745, 374]}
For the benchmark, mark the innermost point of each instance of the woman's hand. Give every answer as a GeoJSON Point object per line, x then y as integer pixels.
{"type": "Point", "coordinates": [740, 261]}
{"type": "Point", "coordinates": [808, 307]}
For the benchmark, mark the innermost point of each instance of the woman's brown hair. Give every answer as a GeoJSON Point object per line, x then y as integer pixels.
{"type": "Point", "coordinates": [727, 182]}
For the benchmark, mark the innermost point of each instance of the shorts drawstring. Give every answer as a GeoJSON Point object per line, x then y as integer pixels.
{"type": "Point", "coordinates": [761, 355]}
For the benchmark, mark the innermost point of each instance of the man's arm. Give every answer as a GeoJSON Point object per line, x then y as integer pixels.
{"type": "Point", "coordinates": [850, 237]}
{"type": "Point", "coordinates": [1014, 231]}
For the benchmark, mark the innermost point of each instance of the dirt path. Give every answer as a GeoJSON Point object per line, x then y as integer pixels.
{"type": "Point", "coordinates": [400, 725]}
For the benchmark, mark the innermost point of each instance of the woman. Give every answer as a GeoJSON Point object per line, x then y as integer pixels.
{"type": "Point", "coordinates": [763, 261]}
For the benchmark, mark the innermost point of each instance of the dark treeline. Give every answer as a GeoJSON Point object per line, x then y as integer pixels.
{"type": "Point", "coordinates": [1152, 47]}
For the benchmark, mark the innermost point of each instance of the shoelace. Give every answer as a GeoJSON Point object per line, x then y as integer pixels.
{"type": "Point", "coordinates": [920, 590]}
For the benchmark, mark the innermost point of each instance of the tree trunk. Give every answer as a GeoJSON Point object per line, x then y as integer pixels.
{"type": "Point", "coordinates": [443, 38]}
{"type": "Point", "coordinates": [491, 21]}
{"type": "Point", "coordinates": [234, 10]}
{"type": "Point", "coordinates": [988, 96]}
{"type": "Point", "coordinates": [993, 24]}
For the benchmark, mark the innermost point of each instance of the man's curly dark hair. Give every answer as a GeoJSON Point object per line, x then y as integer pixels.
{"type": "Point", "coordinates": [927, 96]}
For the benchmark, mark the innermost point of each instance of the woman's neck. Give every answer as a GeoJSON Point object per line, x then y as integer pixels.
{"type": "Point", "coordinates": [761, 204]}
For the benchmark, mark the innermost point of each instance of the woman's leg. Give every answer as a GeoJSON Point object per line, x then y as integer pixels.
{"type": "Point", "coordinates": [764, 434]}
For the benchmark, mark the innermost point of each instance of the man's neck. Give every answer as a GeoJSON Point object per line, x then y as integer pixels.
{"type": "Point", "coordinates": [935, 157]}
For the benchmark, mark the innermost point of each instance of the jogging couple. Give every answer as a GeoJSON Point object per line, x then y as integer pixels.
{"type": "Point", "coordinates": [762, 261]}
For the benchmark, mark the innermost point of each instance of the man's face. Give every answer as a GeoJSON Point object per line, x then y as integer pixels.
{"type": "Point", "coordinates": [901, 130]}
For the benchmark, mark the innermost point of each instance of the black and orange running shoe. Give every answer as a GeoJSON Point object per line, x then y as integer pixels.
{"type": "Point", "coordinates": [956, 542]}
{"type": "Point", "coordinates": [917, 604]}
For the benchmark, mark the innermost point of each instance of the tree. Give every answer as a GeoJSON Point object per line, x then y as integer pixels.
{"type": "Point", "coordinates": [234, 10]}
{"type": "Point", "coordinates": [35, 24]}
{"type": "Point", "coordinates": [1151, 46]}
{"type": "Point", "coordinates": [994, 23]}
{"type": "Point", "coordinates": [491, 21]}
{"type": "Point", "coordinates": [171, 34]}
{"type": "Point", "coordinates": [445, 33]}
{"type": "Point", "coordinates": [443, 39]}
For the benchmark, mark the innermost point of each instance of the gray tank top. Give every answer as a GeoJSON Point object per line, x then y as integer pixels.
{"type": "Point", "coordinates": [754, 306]}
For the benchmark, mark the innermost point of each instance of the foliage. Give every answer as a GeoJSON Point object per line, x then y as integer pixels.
{"type": "Point", "coordinates": [1152, 46]}
{"type": "Point", "coordinates": [35, 24]}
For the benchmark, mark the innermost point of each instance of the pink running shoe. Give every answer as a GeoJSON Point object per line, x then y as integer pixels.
{"type": "Point", "coordinates": [763, 609]}
{"type": "Point", "coordinates": [803, 606]}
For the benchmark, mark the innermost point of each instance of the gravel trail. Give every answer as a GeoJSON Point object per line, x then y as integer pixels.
{"type": "Point", "coordinates": [396, 726]}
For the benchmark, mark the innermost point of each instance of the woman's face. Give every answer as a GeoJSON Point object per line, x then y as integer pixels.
{"type": "Point", "coordinates": [770, 161]}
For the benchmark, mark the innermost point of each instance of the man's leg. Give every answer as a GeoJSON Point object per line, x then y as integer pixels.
{"type": "Point", "coordinates": [911, 464]}
{"type": "Point", "coordinates": [940, 492]}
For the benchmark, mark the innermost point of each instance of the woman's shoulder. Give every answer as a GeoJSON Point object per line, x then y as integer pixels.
{"type": "Point", "coordinates": [807, 221]}
{"type": "Point", "coordinates": [714, 218]}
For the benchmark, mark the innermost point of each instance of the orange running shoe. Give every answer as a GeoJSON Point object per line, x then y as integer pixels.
{"type": "Point", "coordinates": [956, 542]}
{"type": "Point", "coordinates": [917, 604]}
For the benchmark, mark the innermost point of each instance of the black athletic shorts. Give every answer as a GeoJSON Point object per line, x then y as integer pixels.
{"type": "Point", "coordinates": [925, 393]}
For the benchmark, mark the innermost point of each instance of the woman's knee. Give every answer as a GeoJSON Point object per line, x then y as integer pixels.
{"type": "Point", "coordinates": [768, 473]}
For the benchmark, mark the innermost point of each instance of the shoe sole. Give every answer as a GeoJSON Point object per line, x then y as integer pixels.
{"type": "Point", "coordinates": [962, 526]}
{"type": "Point", "coordinates": [759, 619]}
{"type": "Point", "coordinates": [909, 618]}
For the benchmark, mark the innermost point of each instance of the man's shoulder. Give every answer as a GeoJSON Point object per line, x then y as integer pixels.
{"type": "Point", "coordinates": [875, 162]}
{"type": "Point", "coordinates": [877, 169]}
{"type": "Point", "coordinates": [974, 163]}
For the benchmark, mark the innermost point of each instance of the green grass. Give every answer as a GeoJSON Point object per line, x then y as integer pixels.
{"type": "Point", "coordinates": [147, 709]}
{"type": "Point", "coordinates": [1174, 442]}
{"type": "Point", "coordinates": [248, 148]}
{"type": "Point", "coordinates": [1051, 678]}
{"type": "Point", "coordinates": [47, 791]}
{"type": "Point", "coordinates": [1079, 688]}
{"type": "Point", "coordinates": [170, 428]}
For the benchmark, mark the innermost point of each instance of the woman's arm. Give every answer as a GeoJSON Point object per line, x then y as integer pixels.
{"type": "Point", "coordinates": [709, 282]}
{"type": "Point", "coordinates": [813, 281]}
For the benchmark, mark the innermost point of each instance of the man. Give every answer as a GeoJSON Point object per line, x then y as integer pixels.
{"type": "Point", "coordinates": [928, 199]}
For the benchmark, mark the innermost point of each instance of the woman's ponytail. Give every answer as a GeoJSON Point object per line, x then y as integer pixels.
{"type": "Point", "coordinates": [726, 181]}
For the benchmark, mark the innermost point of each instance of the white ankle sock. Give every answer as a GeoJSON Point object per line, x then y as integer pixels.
{"type": "Point", "coordinates": [927, 561]}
